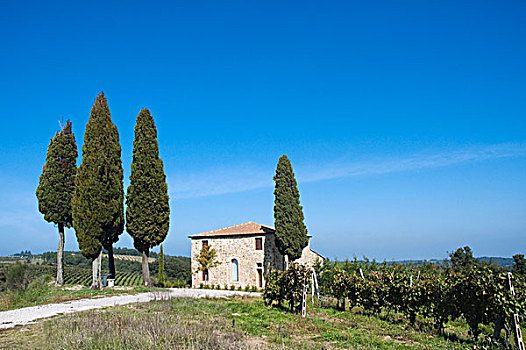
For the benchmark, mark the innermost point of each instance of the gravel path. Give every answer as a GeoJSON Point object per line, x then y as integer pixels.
{"type": "Point", "coordinates": [27, 315]}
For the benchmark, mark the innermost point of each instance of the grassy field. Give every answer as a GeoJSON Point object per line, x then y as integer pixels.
{"type": "Point", "coordinates": [209, 324]}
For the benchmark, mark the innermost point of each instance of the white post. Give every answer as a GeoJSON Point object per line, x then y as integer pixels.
{"type": "Point", "coordinates": [515, 320]}
{"type": "Point", "coordinates": [304, 300]}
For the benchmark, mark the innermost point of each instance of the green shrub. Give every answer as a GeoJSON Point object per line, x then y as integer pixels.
{"type": "Point", "coordinates": [17, 277]}
{"type": "Point", "coordinates": [286, 286]}
{"type": "Point", "coordinates": [176, 284]}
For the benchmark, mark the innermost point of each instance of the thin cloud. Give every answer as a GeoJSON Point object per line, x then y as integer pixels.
{"type": "Point", "coordinates": [416, 162]}
{"type": "Point", "coordinates": [241, 179]}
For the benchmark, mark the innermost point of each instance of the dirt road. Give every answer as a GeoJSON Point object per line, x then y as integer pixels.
{"type": "Point", "coordinates": [27, 315]}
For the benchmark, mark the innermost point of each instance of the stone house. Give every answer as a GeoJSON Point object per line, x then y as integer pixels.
{"type": "Point", "coordinates": [244, 253]}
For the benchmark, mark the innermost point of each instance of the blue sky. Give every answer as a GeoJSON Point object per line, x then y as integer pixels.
{"type": "Point", "coordinates": [405, 121]}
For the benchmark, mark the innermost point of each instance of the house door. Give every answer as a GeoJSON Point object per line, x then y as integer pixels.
{"type": "Point", "coordinates": [260, 278]}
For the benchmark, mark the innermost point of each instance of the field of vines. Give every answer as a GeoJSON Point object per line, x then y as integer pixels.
{"type": "Point", "coordinates": [476, 293]}
{"type": "Point", "coordinates": [479, 295]}
{"type": "Point", "coordinates": [83, 277]}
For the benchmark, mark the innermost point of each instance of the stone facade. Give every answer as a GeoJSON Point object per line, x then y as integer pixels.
{"type": "Point", "coordinates": [241, 263]}
{"type": "Point", "coordinates": [309, 257]}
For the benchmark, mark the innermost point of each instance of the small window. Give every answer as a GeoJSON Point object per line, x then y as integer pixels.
{"type": "Point", "coordinates": [205, 275]}
{"type": "Point", "coordinates": [259, 243]}
{"type": "Point", "coordinates": [205, 243]}
{"type": "Point", "coordinates": [235, 270]}
{"type": "Point", "coordinates": [259, 264]}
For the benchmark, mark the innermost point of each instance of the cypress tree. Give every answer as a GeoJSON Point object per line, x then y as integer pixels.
{"type": "Point", "coordinates": [291, 233]}
{"type": "Point", "coordinates": [162, 277]}
{"type": "Point", "coordinates": [56, 186]}
{"type": "Point", "coordinates": [148, 210]}
{"type": "Point", "coordinates": [98, 208]}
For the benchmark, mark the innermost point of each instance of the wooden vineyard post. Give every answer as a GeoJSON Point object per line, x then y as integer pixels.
{"type": "Point", "coordinates": [515, 321]}
{"type": "Point", "coordinates": [315, 286]}
{"type": "Point", "coordinates": [304, 299]}
{"type": "Point", "coordinates": [312, 285]}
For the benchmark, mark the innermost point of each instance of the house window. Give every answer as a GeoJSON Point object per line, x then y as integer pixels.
{"type": "Point", "coordinates": [259, 243]}
{"type": "Point", "coordinates": [205, 275]}
{"type": "Point", "coordinates": [235, 270]}
{"type": "Point", "coordinates": [205, 243]}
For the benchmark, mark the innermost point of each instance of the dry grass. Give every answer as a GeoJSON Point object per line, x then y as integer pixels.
{"type": "Point", "coordinates": [208, 324]}
{"type": "Point", "coordinates": [141, 327]}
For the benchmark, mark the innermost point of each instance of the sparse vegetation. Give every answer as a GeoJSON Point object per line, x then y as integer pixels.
{"type": "Point", "coordinates": [226, 324]}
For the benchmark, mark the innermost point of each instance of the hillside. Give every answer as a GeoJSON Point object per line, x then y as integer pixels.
{"type": "Point", "coordinates": [126, 261]}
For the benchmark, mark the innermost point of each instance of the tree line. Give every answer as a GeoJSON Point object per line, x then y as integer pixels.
{"type": "Point", "coordinates": [90, 198]}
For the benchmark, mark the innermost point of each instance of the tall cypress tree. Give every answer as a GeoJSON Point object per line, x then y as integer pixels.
{"type": "Point", "coordinates": [161, 277]}
{"type": "Point", "coordinates": [98, 200]}
{"type": "Point", "coordinates": [291, 233]}
{"type": "Point", "coordinates": [148, 210]}
{"type": "Point", "coordinates": [56, 186]}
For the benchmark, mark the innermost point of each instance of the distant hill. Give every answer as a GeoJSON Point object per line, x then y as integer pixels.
{"type": "Point", "coordinates": [505, 262]}
{"type": "Point", "coordinates": [497, 260]}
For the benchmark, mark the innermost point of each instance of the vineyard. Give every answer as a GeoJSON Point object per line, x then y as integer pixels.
{"type": "Point", "coordinates": [427, 297]}
{"type": "Point", "coordinates": [130, 258]}
{"type": "Point", "coordinates": [83, 277]}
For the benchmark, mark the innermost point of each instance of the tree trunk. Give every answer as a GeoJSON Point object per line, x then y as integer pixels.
{"type": "Point", "coordinates": [111, 261]}
{"type": "Point", "coordinates": [498, 328]}
{"type": "Point", "coordinates": [146, 268]}
{"type": "Point", "coordinates": [95, 265]}
{"type": "Point", "coordinates": [60, 262]}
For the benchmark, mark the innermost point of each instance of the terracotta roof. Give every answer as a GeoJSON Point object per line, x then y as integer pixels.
{"type": "Point", "coordinates": [248, 228]}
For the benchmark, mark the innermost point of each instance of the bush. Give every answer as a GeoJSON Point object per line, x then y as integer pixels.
{"type": "Point", "coordinates": [17, 277]}
{"type": "Point", "coordinates": [177, 284]}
